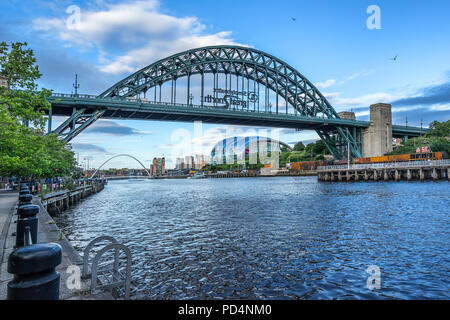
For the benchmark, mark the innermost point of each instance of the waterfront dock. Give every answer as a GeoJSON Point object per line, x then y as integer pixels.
{"type": "Point", "coordinates": [48, 232]}
{"type": "Point", "coordinates": [419, 170]}
{"type": "Point", "coordinates": [56, 202]}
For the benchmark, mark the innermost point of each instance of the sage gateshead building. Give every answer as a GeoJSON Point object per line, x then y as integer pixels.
{"type": "Point", "coordinates": [240, 149]}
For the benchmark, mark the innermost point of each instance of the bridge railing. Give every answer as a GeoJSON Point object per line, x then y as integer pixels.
{"type": "Point", "coordinates": [143, 101]}
{"type": "Point", "coordinates": [425, 163]}
{"type": "Point", "coordinates": [170, 104]}
{"type": "Point", "coordinates": [67, 95]}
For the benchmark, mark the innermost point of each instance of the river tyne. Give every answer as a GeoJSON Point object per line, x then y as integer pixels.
{"type": "Point", "coordinates": [273, 238]}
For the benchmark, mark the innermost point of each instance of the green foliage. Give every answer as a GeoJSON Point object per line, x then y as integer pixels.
{"type": "Point", "coordinates": [437, 139]}
{"type": "Point", "coordinates": [24, 149]}
{"type": "Point", "coordinates": [318, 148]}
{"type": "Point", "coordinates": [439, 129]}
{"type": "Point", "coordinates": [299, 146]}
{"type": "Point", "coordinates": [236, 166]}
{"type": "Point", "coordinates": [18, 65]}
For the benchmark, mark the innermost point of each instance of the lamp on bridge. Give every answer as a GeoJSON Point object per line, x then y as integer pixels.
{"type": "Point", "coordinates": [76, 85]}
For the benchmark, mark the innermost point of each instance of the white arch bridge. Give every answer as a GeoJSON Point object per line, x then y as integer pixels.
{"type": "Point", "coordinates": [121, 155]}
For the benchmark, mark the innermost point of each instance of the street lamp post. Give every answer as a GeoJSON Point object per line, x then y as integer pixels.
{"type": "Point", "coordinates": [87, 170]}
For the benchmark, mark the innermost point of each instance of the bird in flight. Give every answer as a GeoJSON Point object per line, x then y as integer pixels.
{"type": "Point", "coordinates": [394, 58]}
{"type": "Point", "coordinates": [293, 19]}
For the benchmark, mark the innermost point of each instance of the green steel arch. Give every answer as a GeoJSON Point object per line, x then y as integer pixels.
{"type": "Point", "coordinates": [253, 64]}
{"type": "Point", "coordinates": [256, 65]}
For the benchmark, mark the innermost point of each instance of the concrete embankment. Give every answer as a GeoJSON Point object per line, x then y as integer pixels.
{"type": "Point", "coordinates": [254, 175]}
{"type": "Point", "coordinates": [305, 173]}
{"type": "Point", "coordinates": [48, 231]}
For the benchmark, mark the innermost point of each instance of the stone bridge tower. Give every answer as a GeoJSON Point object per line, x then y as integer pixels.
{"type": "Point", "coordinates": [377, 138]}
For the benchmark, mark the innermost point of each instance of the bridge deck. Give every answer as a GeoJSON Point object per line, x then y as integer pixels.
{"type": "Point", "coordinates": [63, 104]}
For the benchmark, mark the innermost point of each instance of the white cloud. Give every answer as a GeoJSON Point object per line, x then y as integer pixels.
{"type": "Point", "coordinates": [443, 107]}
{"type": "Point", "coordinates": [364, 100]}
{"type": "Point", "coordinates": [332, 82]}
{"type": "Point", "coordinates": [131, 35]}
{"type": "Point", "coordinates": [326, 84]}
{"type": "Point", "coordinates": [357, 75]}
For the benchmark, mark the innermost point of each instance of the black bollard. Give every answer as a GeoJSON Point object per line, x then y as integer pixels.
{"type": "Point", "coordinates": [24, 191]}
{"type": "Point", "coordinates": [35, 277]}
{"type": "Point", "coordinates": [25, 199]}
{"type": "Point", "coordinates": [27, 218]}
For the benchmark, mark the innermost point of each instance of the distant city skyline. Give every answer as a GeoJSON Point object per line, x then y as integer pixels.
{"type": "Point", "coordinates": [327, 41]}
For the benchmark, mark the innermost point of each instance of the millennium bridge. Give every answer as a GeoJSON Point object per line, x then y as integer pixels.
{"type": "Point", "coordinates": [244, 87]}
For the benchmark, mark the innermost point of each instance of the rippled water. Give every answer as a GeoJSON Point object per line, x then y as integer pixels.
{"type": "Point", "coordinates": [273, 238]}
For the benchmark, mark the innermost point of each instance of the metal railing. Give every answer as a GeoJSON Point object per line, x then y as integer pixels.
{"type": "Point", "coordinates": [68, 95]}
{"type": "Point", "coordinates": [144, 101]}
{"type": "Point", "coordinates": [426, 163]}
{"type": "Point", "coordinates": [262, 110]}
{"type": "Point", "coordinates": [104, 273]}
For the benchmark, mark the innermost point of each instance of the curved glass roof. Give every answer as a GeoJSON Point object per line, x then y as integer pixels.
{"type": "Point", "coordinates": [239, 145]}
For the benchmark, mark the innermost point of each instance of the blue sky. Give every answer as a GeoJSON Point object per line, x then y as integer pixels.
{"type": "Point", "coordinates": [328, 42]}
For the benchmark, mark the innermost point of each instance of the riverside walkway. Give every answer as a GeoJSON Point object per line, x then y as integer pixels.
{"type": "Point", "coordinates": [8, 200]}
{"type": "Point", "coordinates": [47, 232]}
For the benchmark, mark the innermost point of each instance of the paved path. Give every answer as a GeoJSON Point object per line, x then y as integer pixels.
{"type": "Point", "coordinates": [8, 202]}
{"type": "Point", "coordinates": [47, 232]}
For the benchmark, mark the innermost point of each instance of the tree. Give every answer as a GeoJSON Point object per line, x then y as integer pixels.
{"type": "Point", "coordinates": [21, 102]}
{"type": "Point", "coordinates": [299, 146]}
{"type": "Point", "coordinates": [24, 149]}
{"type": "Point", "coordinates": [319, 148]}
{"type": "Point", "coordinates": [437, 138]}
{"type": "Point", "coordinates": [439, 129]}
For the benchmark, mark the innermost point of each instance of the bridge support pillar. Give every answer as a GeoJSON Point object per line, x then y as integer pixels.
{"type": "Point", "coordinates": [386, 176]}
{"type": "Point", "coordinates": [377, 137]}
{"type": "Point", "coordinates": [408, 174]}
{"type": "Point", "coordinates": [442, 176]}
{"type": "Point", "coordinates": [356, 175]}
{"type": "Point", "coordinates": [448, 174]}
{"type": "Point", "coordinates": [375, 175]}
{"type": "Point", "coordinates": [339, 176]}
{"type": "Point", "coordinates": [397, 175]}
{"type": "Point", "coordinates": [331, 176]}
{"type": "Point", "coordinates": [347, 174]}
{"type": "Point", "coordinates": [327, 176]}
{"type": "Point", "coordinates": [421, 174]}
{"type": "Point", "coordinates": [366, 176]}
